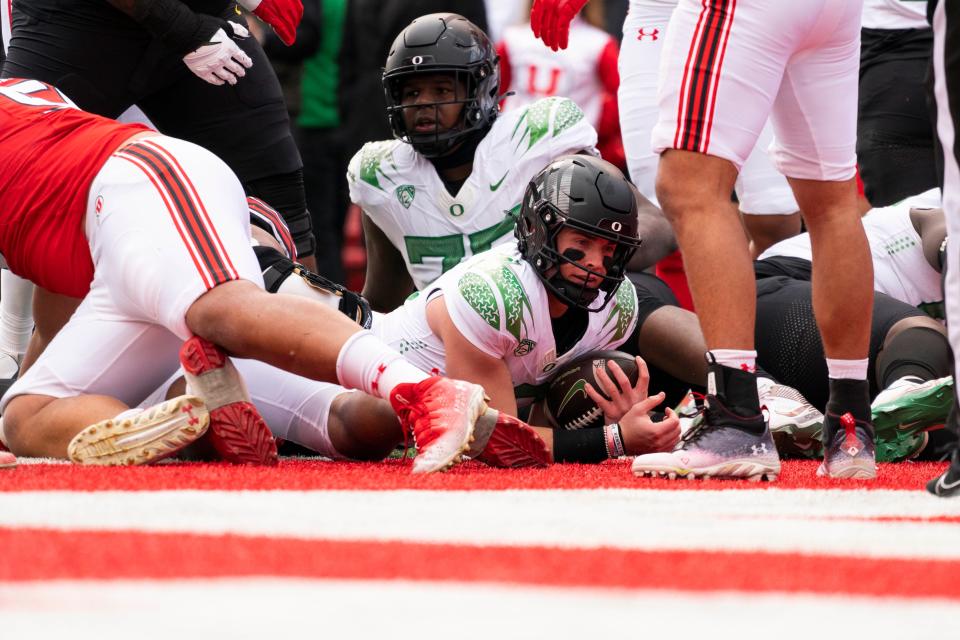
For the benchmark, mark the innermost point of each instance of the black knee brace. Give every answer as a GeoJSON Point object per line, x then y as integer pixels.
{"type": "Point", "coordinates": [917, 351]}
{"type": "Point", "coordinates": [284, 192]}
{"type": "Point", "coordinates": [277, 268]}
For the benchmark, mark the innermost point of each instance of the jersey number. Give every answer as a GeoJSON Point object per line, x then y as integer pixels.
{"type": "Point", "coordinates": [450, 248]}
{"type": "Point", "coordinates": [34, 93]}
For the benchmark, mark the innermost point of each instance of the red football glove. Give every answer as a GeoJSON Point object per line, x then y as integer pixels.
{"type": "Point", "coordinates": [282, 15]}
{"type": "Point", "coordinates": [550, 20]}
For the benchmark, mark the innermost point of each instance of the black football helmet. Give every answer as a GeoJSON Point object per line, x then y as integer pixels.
{"type": "Point", "coordinates": [443, 43]}
{"type": "Point", "coordinates": [584, 193]}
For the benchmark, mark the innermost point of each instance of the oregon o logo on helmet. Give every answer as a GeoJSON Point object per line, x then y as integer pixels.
{"type": "Point", "coordinates": [417, 60]}
{"type": "Point", "coordinates": [616, 226]}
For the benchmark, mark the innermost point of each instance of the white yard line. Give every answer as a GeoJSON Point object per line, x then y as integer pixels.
{"type": "Point", "coordinates": [269, 608]}
{"type": "Point", "coordinates": [806, 521]}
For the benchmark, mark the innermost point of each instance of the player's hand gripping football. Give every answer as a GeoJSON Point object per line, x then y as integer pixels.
{"type": "Point", "coordinates": [630, 407]}
{"type": "Point", "coordinates": [550, 20]}
{"type": "Point", "coordinates": [220, 60]}
{"type": "Point", "coordinates": [622, 395]}
{"type": "Point", "coordinates": [282, 15]}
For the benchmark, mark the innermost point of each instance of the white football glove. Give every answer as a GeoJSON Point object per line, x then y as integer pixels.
{"type": "Point", "coordinates": [220, 60]}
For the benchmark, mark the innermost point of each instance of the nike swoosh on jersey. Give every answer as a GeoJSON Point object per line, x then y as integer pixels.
{"type": "Point", "coordinates": [496, 185]}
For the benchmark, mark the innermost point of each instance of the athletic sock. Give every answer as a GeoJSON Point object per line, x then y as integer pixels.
{"type": "Point", "coordinates": [921, 352]}
{"type": "Point", "coordinates": [16, 313]}
{"type": "Point", "coordinates": [742, 359]}
{"type": "Point", "coordinates": [367, 363]}
{"type": "Point", "coordinates": [847, 369]}
{"type": "Point", "coordinates": [851, 396]}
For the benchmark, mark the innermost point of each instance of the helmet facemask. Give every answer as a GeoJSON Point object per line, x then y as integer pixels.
{"type": "Point", "coordinates": [540, 243]}
{"type": "Point", "coordinates": [441, 140]}
{"type": "Point", "coordinates": [443, 43]}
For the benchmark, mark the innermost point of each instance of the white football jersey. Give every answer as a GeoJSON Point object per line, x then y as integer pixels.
{"type": "Point", "coordinates": [499, 304]}
{"type": "Point", "coordinates": [900, 269]}
{"type": "Point", "coordinates": [403, 195]}
{"type": "Point", "coordinates": [895, 14]}
{"type": "Point", "coordinates": [537, 72]}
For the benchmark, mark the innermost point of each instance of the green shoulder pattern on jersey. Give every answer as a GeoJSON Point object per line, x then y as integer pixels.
{"type": "Point", "coordinates": [478, 294]}
{"type": "Point", "coordinates": [373, 155]}
{"type": "Point", "coordinates": [515, 300]}
{"type": "Point", "coordinates": [534, 124]}
{"type": "Point", "coordinates": [623, 309]}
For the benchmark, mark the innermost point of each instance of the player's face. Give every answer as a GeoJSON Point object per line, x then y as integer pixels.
{"type": "Point", "coordinates": [588, 250]}
{"type": "Point", "coordinates": [422, 92]}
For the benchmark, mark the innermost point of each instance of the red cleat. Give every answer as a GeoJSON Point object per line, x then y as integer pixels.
{"type": "Point", "coordinates": [237, 431]}
{"type": "Point", "coordinates": [511, 443]}
{"type": "Point", "coordinates": [440, 413]}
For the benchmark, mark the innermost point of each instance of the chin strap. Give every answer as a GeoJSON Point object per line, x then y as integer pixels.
{"type": "Point", "coordinates": [463, 153]}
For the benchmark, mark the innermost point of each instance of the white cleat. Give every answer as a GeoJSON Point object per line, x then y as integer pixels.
{"type": "Point", "coordinates": [143, 437]}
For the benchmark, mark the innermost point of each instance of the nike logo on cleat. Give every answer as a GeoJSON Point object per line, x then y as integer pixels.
{"type": "Point", "coordinates": [908, 425]}
{"type": "Point", "coordinates": [943, 486]}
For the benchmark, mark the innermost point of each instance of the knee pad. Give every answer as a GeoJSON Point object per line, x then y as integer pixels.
{"type": "Point", "coordinates": [283, 275]}
{"type": "Point", "coordinates": [917, 351]}
{"type": "Point", "coordinates": [285, 193]}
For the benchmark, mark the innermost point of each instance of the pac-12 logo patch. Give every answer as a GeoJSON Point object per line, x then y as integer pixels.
{"type": "Point", "coordinates": [526, 346]}
{"type": "Point", "coordinates": [98, 206]}
{"type": "Point", "coordinates": [405, 194]}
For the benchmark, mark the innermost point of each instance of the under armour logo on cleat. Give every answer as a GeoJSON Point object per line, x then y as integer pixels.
{"type": "Point", "coordinates": [189, 411]}
{"type": "Point", "coordinates": [759, 449]}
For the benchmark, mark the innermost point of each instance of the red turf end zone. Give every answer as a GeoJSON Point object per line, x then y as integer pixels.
{"type": "Point", "coordinates": [38, 554]}
{"type": "Point", "coordinates": [395, 474]}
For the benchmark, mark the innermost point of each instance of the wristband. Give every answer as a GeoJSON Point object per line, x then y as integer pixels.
{"type": "Point", "coordinates": [613, 438]}
{"type": "Point", "coordinates": [174, 24]}
{"type": "Point", "coordinates": [580, 445]}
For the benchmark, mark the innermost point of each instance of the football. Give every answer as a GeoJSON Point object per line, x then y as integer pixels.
{"type": "Point", "coordinates": [566, 403]}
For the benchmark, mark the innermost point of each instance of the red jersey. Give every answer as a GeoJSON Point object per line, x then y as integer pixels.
{"type": "Point", "coordinates": [50, 152]}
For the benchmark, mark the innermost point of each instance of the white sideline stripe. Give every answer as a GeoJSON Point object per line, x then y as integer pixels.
{"type": "Point", "coordinates": [257, 609]}
{"type": "Point", "coordinates": [817, 522]}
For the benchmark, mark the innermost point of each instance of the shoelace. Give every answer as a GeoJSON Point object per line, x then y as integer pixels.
{"type": "Point", "coordinates": [405, 414]}
{"type": "Point", "coordinates": [698, 428]}
{"type": "Point", "coordinates": [426, 434]}
{"type": "Point", "coordinates": [702, 427]}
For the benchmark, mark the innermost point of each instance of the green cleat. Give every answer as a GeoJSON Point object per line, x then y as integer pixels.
{"type": "Point", "coordinates": [905, 410]}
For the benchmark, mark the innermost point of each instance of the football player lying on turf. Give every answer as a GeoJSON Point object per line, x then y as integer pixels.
{"type": "Point", "coordinates": [909, 372]}
{"type": "Point", "coordinates": [910, 379]}
{"type": "Point", "coordinates": [450, 185]}
{"type": "Point", "coordinates": [507, 319]}
{"type": "Point", "coordinates": [153, 233]}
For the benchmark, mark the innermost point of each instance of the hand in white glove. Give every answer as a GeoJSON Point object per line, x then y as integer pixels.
{"type": "Point", "coordinates": [220, 60]}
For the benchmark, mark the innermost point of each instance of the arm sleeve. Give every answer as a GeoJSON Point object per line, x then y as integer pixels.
{"type": "Point", "coordinates": [171, 22]}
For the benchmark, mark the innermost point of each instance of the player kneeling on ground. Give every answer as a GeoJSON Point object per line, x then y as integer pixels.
{"type": "Point", "coordinates": [510, 319]}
